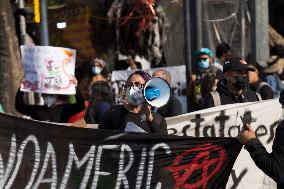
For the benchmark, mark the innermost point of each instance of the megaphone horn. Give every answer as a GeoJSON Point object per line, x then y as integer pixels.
{"type": "Point", "coordinates": [157, 92]}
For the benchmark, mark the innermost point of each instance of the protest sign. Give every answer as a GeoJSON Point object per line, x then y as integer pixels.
{"type": "Point", "coordinates": [178, 82]}
{"type": "Point", "coordinates": [48, 70]}
{"type": "Point", "coordinates": [44, 155]}
{"type": "Point", "coordinates": [225, 121]}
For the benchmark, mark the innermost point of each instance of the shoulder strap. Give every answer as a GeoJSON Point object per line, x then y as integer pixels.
{"type": "Point", "coordinates": [216, 98]}
{"type": "Point", "coordinates": [258, 96]}
{"type": "Point", "coordinates": [261, 85]}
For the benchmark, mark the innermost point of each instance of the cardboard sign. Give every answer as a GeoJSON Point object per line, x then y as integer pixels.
{"type": "Point", "coordinates": [48, 70]}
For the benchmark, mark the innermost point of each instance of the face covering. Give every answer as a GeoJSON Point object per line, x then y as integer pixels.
{"type": "Point", "coordinates": [241, 82]}
{"type": "Point", "coordinates": [135, 96]}
{"type": "Point", "coordinates": [203, 64]}
{"type": "Point", "coordinates": [96, 70]}
{"type": "Point", "coordinates": [49, 100]}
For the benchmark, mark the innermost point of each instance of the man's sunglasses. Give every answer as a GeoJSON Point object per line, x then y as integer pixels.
{"type": "Point", "coordinates": [204, 59]}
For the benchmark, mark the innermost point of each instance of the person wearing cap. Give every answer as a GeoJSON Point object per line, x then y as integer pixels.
{"type": "Point", "coordinates": [204, 58]}
{"type": "Point", "coordinates": [173, 107]}
{"type": "Point", "coordinates": [257, 85]}
{"type": "Point", "coordinates": [234, 88]}
{"type": "Point", "coordinates": [205, 78]}
{"type": "Point", "coordinates": [272, 164]}
{"type": "Point", "coordinates": [135, 115]}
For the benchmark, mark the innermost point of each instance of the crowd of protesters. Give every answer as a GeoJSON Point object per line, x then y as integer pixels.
{"type": "Point", "coordinates": [223, 79]}
{"type": "Point", "coordinates": [216, 80]}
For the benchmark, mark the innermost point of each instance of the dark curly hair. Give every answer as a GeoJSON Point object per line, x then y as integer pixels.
{"type": "Point", "coordinates": [143, 74]}
{"type": "Point", "coordinates": [100, 92]}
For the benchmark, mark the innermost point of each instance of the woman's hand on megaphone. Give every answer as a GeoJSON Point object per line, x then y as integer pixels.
{"type": "Point", "coordinates": [146, 108]}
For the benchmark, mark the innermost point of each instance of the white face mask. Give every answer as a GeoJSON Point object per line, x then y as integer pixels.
{"type": "Point", "coordinates": [135, 96]}
{"type": "Point", "coordinates": [49, 100]}
{"type": "Point", "coordinates": [96, 70]}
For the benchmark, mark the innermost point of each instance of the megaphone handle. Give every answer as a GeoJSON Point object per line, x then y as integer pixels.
{"type": "Point", "coordinates": [146, 108]}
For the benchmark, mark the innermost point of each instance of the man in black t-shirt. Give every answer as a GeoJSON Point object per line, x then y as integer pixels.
{"type": "Point", "coordinates": [136, 114]}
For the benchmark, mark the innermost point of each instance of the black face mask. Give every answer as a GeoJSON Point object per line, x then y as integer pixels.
{"type": "Point", "coordinates": [241, 82]}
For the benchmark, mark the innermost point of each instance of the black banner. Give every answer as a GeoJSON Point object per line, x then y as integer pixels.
{"type": "Point", "coordinates": [43, 155]}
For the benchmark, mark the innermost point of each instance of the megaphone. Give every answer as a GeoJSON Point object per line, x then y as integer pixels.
{"type": "Point", "coordinates": [157, 92]}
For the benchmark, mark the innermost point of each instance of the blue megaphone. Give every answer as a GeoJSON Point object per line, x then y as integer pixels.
{"type": "Point", "coordinates": [157, 92]}
{"type": "Point", "coordinates": [152, 93]}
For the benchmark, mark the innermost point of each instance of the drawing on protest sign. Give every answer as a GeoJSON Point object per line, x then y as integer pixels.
{"type": "Point", "coordinates": [48, 69]}
{"type": "Point", "coordinates": [225, 121]}
{"type": "Point", "coordinates": [178, 83]}
{"type": "Point", "coordinates": [44, 155]}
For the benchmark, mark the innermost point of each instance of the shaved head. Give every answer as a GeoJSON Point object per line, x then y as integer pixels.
{"type": "Point", "coordinates": [164, 74]}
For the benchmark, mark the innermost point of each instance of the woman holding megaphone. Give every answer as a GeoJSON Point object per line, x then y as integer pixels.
{"type": "Point", "coordinates": [136, 114]}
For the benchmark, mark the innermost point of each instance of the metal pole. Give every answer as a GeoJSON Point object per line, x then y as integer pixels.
{"type": "Point", "coordinates": [210, 41]}
{"type": "Point", "coordinates": [198, 7]}
{"type": "Point", "coordinates": [117, 37]}
{"type": "Point", "coordinates": [243, 27]}
{"type": "Point", "coordinates": [187, 44]}
{"type": "Point", "coordinates": [44, 40]}
{"type": "Point", "coordinates": [260, 39]}
{"type": "Point", "coordinates": [22, 23]}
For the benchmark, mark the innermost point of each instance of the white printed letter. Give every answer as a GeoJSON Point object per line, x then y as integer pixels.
{"type": "Point", "coordinates": [4, 174]}
{"type": "Point", "coordinates": [20, 153]}
{"type": "Point", "coordinates": [151, 161]}
{"type": "Point", "coordinates": [73, 158]}
{"type": "Point", "coordinates": [141, 169]}
{"type": "Point", "coordinates": [49, 153]}
{"type": "Point", "coordinates": [121, 169]}
{"type": "Point", "coordinates": [98, 163]}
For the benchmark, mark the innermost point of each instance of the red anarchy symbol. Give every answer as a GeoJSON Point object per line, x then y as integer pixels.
{"type": "Point", "coordinates": [181, 173]}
